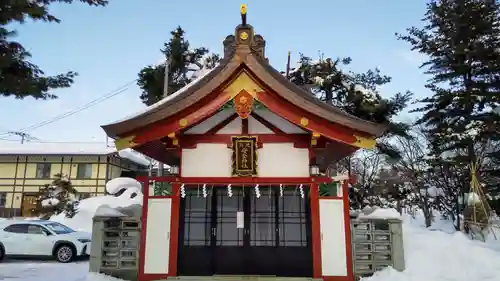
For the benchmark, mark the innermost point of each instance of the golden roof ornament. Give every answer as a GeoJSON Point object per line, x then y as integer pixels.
{"type": "Point", "coordinates": [243, 11]}
{"type": "Point", "coordinates": [244, 36]}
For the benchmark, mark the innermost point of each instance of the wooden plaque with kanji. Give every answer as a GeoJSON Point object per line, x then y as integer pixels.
{"type": "Point", "coordinates": [244, 156]}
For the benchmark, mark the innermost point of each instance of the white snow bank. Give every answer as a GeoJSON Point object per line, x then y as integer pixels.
{"type": "Point", "coordinates": [87, 208]}
{"type": "Point", "coordinates": [92, 276]}
{"type": "Point", "coordinates": [381, 213]}
{"type": "Point", "coordinates": [107, 211]}
{"type": "Point", "coordinates": [115, 185]}
{"type": "Point", "coordinates": [434, 255]}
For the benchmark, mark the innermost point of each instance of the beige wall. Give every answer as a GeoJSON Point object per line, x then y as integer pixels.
{"type": "Point", "coordinates": [18, 174]}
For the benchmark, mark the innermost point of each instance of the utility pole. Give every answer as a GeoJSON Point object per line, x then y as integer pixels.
{"type": "Point", "coordinates": [165, 82]}
{"type": "Point", "coordinates": [23, 135]}
{"type": "Point", "coordinates": [288, 65]}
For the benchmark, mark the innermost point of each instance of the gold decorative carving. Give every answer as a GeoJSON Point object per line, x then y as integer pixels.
{"type": "Point", "coordinates": [243, 104]}
{"type": "Point", "coordinates": [244, 35]}
{"type": "Point", "coordinates": [362, 142]}
{"type": "Point", "coordinates": [183, 122]}
{"type": "Point", "coordinates": [126, 142]}
{"type": "Point", "coordinates": [304, 121]}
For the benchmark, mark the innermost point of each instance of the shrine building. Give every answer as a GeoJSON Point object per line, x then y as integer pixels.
{"type": "Point", "coordinates": [247, 150]}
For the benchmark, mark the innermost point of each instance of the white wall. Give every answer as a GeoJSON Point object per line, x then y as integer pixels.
{"type": "Point", "coordinates": [157, 250]}
{"type": "Point", "coordinates": [274, 160]}
{"type": "Point", "coordinates": [333, 242]}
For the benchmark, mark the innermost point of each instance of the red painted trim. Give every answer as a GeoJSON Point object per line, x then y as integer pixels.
{"type": "Point", "coordinates": [332, 197]}
{"type": "Point", "coordinates": [221, 125]}
{"type": "Point", "coordinates": [142, 245]}
{"type": "Point", "coordinates": [347, 222]}
{"type": "Point", "coordinates": [294, 114]}
{"type": "Point", "coordinates": [193, 114]}
{"type": "Point", "coordinates": [299, 140]}
{"type": "Point", "coordinates": [174, 230]}
{"type": "Point", "coordinates": [337, 278]}
{"type": "Point", "coordinates": [316, 230]}
{"type": "Point", "coordinates": [239, 180]}
{"type": "Point", "coordinates": [160, 197]}
{"type": "Point", "coordinates": [244, 126]}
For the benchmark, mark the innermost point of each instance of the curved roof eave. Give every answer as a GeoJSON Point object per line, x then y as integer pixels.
{"type": "Point", "coordinates": [303, 98]}
{"type": "Point", "coordinates": [177, 101]}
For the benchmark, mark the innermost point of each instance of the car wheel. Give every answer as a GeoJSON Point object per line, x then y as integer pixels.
{"type": "Point", "coordinates": [65, 254]}
{"type": "Point", "coordinates": [2, 253]}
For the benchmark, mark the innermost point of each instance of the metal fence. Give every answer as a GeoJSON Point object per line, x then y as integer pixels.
{"type": "Point", "coordinates": [377, 243]}
{"type": "Point", "coordinates": [115, 246]}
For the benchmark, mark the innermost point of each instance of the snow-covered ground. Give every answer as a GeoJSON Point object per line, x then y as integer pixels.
{"type": "Point", "coordinates": [48, 271]}
{"type": "Point", "coordinates": [439, 253]}
{"type": "Point", "coordinates": [435, 254]}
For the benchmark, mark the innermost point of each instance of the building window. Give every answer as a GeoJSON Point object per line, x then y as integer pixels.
{"type": "Point", "coordinates": [84, 171]}
{"type": "Point", "coordinates": [43, 170]}
{"type": "Point", "coordinates": [3, 199]}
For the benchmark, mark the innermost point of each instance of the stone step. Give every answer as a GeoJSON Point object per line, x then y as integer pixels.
{"type": "Point", "coordinates": [240, 278]}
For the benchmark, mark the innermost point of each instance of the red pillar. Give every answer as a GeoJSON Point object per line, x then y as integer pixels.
{"type": "Point", "coordinates": [347, 222]}
{"type": "Point", "coordinates": [144, 215]}
{"type": "Point", "coordinates": [316, 231]}
{"type": "Point", "coordinates": [174, 230]}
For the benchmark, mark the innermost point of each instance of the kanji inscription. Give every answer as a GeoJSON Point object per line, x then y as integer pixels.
{"type": "Point", "coordinates": [244, 156]}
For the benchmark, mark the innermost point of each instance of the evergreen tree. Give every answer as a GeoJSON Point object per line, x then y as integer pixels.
{"type": "Point", "coordinates": [185, 64]}
{"type": "Point", "coordinates": [19, 77]}
{"type": "Point", "coordinates": [355, 93]}
{"type": "Point", "coordinates": [461, 39]}
{"type": "Point", "coordinates": [58, 197]}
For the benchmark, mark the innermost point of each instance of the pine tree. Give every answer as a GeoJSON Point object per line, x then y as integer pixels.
{"type": "Point", "coordinates": [184, 66]}
{"type": "Point", "coordinates": [57, 197]}
{"type": "Point", "coordinates": [461, 39]}
{"type": "Point", "coordinates": [19, 77]}
{"type": "Point", "coordinates": [355, 93]}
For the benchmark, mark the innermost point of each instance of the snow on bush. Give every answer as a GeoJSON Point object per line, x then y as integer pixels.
{"type": "Point", "coordinates": [131, 194]}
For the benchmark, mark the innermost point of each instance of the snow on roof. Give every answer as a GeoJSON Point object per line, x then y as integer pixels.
{"type": "Point", "coordinates": [33, 148]}
{"type": "Point", "coordinates": [199, 75]}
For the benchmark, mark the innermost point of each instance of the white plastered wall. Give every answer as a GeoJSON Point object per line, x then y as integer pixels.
{"type": "Point", "coordinates": [274, 160]}
{"type": "Point", "coordinates": [157, 249]}
{"type": "Point", "coordinates": [333, 242]}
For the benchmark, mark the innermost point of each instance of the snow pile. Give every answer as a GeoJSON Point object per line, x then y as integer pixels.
{"type": "Point", "coordinates": [380, 213]}
{"type": "Point", "coordinates": [116, 185]}
{"type": "Point", "coordinates": [130, 194]}
{"type": "Point", "coordinates": [436, 254]}
{"type": "Point", "coordinates": [50, 202]}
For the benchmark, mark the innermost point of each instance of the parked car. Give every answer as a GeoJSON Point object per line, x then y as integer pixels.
{"type": "Point", "coordinates": [39, 238]}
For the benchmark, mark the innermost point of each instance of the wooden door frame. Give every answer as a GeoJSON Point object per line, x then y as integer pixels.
{"type": "Point", "coordinates": [27, 194]}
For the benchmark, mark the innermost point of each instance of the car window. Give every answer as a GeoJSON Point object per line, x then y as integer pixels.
{"type": "Point", "coordinates": [59, 228]}
{"type": "Point", "coordinates": [17, 228]}
{"type": "Point", "coordinates": [35, 229]}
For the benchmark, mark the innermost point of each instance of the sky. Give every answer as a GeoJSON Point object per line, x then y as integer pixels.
{"type": "Point", "coordinates": [109, 45]}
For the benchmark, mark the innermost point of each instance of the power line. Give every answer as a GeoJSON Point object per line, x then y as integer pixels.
{"type": "Point", "coordinates": [102, 98]}
{"type": "Point", "coordinates": [71, 142]}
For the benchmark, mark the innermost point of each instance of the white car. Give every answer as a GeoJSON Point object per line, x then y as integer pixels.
{"type": "Point", "coordinates": [40, 238]}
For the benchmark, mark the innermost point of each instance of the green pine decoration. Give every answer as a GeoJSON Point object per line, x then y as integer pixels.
{"type": "Point", "coordinates": [328, 189]}
{"type": "Point", "coordinates": [162, 189]}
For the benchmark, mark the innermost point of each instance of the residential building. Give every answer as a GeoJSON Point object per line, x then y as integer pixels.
{"type": "Point", "coordinates": [24, 168]}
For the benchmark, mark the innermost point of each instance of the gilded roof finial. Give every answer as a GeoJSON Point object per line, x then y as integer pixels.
{"type": "Point", "coordinates": [243, 11]}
